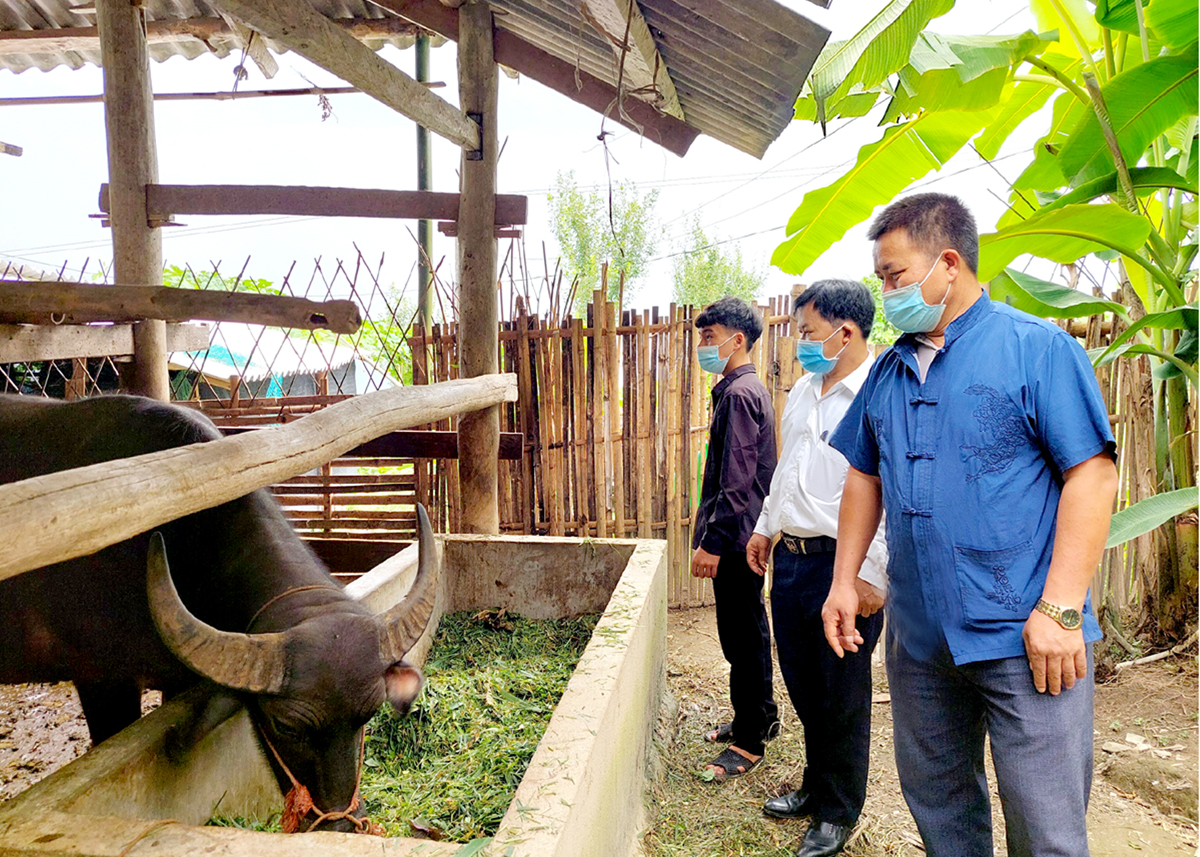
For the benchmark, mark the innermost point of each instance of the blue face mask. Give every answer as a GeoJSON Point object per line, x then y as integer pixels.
{"type": "Point", "coordinates": [906, 309]}
{"type": "Point", "coordinates": [710, 359]}
{"type": "Point", "coordinates": [812, 354]}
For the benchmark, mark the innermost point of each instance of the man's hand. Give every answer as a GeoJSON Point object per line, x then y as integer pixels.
{"type": "Point", "coordinates": [704, 564]}
{"type": "Point", "coordinates": [870, 597]}
{"type": "Point", "coordinates": [758, 551]}
{"type": "Point", "coordinates": [838, 616]}
{"type": "Point", "coordinates": [1056, 656]}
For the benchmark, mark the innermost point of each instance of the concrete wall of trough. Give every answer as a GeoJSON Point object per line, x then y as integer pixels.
{"type": "Point", "coordinates": [127, 797]}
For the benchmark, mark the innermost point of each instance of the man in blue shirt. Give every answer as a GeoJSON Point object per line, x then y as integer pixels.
{"type": "Point", "coordinates": [984, 436]}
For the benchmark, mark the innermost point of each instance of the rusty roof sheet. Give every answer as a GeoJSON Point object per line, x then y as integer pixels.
{"type": "Point", "coordinates": [737, 65]}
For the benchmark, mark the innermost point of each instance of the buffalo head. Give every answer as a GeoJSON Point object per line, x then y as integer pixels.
{"type": "Point", "coordinates": [312, 687]}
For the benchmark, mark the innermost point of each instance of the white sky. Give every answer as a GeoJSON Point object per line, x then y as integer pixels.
{"type": "Point", "coordinates": [47, 194]}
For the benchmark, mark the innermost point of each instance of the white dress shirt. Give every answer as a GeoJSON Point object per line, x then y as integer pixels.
{"type": "Point", "coordinates": [806, 488]}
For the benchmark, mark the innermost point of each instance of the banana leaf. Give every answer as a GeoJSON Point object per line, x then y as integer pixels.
{"type": "Point", "coordinates": [1045, 299]}
{"type": "Point", "coordinates": [1024, 99]}
{"type": "Point", "coordinates": [1179, 318]}
{"type": "Point", "coordinates": [1148, 179]}
{"type": "Point", "coordinates": [1142, 103]}
{"type": "Point", "coordinates": [879, 49]}
{"type": "Point", "coordinates": [1149, 514]}
{"type": "Point", "coordinates": [1063, 236]}
{"type": "Point", "coordinates": [884, 169]}
{"type": "Point", "coordinates": [1174, 22]}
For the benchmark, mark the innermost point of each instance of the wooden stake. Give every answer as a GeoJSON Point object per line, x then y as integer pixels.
{"type": "Point", "coordinates": [478, 342]}
{"type": "Point", "coordinates": [614, 384]}
{"type": "Point", "coordinates": [600, 445]}
{"type": "Point", "coordinates": [579, 433]}
{"type": "Point", "coordinates": [133, 164]}
{"type": "Point", "coordinates": [644, 379]}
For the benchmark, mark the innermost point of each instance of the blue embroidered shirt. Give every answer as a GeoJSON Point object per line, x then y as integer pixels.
{"type": "Point", "coordinates": [971, 462]}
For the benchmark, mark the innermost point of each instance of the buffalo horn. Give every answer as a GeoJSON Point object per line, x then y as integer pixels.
{"type": "Point", "coordinates": [405, 622]}
{"type": "Point", "coordinates": [253, 663]}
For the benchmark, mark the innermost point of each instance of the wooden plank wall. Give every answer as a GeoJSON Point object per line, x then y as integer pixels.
{"type": "Point", "coordinates": [614, 412]}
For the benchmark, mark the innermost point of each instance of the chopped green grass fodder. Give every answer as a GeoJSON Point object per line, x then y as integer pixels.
{"type": "Point", "coordinates": [450, 768]}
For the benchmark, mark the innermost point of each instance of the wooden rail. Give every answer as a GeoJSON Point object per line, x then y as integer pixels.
{"type": "Point", "coordinates": [38, 302]}
{"type": "Point", "coordinates": [65, 515]}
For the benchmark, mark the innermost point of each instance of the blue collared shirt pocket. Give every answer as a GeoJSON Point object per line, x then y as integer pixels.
{"type": "Point", "coordinates": [988, 582]}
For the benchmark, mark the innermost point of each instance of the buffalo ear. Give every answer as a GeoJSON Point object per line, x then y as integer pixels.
{"type": "Point", "coordinates": [403, 683]}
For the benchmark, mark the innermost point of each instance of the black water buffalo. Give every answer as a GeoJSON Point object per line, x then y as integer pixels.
{"type": "Point", "coordinates": [245, 605]}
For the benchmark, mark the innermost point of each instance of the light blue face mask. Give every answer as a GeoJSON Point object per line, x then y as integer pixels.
{"type": "Point", "coordinates": [812, 357]}
{"type": "Point", "coordinates": [906, 309]}
{"type": "Point", "coordinates": [710, 359]}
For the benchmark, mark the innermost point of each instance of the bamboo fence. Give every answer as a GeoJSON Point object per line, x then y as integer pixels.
{"type": "Point", "coordinates": [614, 414]}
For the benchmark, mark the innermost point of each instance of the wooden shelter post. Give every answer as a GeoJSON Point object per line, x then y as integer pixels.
{"type": "Point", "coordinates": [478, 343]}
{"type": "Point", "coordinates": [133, 164]}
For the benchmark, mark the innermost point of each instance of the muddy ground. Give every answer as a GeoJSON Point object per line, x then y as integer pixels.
{"type": "Point", "coordinates": [1144, 798]}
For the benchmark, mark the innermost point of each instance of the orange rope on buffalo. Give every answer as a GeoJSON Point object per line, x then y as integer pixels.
{"type": "Point", "coordinates": [299, 802]}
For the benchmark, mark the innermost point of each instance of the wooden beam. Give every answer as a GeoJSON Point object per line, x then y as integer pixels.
{"type": "Point", "coordinates": [254, 46]}
{"type": "Point", "coordinates": [419, 444]}
{"type": "Point", "coordinates": [563, 77]}
{"type": "Point", "coordinates": [165, 200]}
{"type": "Point", "coordinates": [478, 322]}
{"type": "Point", "coordinates": [103, 504]}
{"type": "Point", "coordinates": [23, 343]}
{"type": "Point", "coordinates": [296, 25]}
{"type": "Point", "coordinates": [78, 303]}
{"type": "Point", "coordinates": [133, 164]}
{"type": "Point", "coordinates": [644, 68]}
{"type": "Point", "coordinates": [172, 30]}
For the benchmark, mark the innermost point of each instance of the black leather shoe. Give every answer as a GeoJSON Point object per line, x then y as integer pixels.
{"type": "Point", "coordinates": [824, 839]}
{"type": "Point", "coordinates": [791, 805]}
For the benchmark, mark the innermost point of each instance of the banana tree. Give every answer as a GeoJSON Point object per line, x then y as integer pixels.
{"type": "Point", "coordinates": [1113, 180]}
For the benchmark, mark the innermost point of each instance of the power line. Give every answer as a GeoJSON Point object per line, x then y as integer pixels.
{"type": "Point", "coordinates": [759, 175]}
{"type": "Point", "coordinates": [713, 244]}
{"type": "Point", "coordinates": [933, 180]}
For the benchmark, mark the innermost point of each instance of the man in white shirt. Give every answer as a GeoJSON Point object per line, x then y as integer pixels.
{"type": "Point", "coordinates": [831, 695]}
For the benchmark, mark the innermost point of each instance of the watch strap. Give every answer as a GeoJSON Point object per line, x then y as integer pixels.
{"type": "Point", "coordinates": [1055, 612]}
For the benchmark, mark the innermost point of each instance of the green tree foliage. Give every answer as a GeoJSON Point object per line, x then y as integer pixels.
{"type": "Point", "coordinates": [707, 271]}
{"type": "Point", "coordinates": [882, 330]}
{"type": "Point", "coordinates": [589, 237]}
{"type": "Point", "coordinates": [1114, 176]}
{"type": "Point", "coordinates": [186, 278]}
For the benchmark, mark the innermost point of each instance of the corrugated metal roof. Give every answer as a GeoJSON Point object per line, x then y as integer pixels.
{"type": "Point", "coordinates": [737, 65]}
{"type": "Point", "coordinates": [57, 14]}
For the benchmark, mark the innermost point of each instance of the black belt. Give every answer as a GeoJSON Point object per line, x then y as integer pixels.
{"type": "Point", "coordinates": [817, 544]}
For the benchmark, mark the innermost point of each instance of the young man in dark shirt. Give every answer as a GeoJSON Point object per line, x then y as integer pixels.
{"type": "Point", "coordinates": [737, 476]}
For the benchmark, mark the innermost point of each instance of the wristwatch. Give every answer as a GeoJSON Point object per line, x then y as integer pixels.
{"type": "Point", "coordinates": [1068, 617]}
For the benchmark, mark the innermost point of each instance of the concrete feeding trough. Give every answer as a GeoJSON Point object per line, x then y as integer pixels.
{"type": "Point", "coordinates": [581, 795]}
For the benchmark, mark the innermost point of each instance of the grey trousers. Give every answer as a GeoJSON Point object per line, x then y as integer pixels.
{"type": "Point", "coordinates": [1041, 749]}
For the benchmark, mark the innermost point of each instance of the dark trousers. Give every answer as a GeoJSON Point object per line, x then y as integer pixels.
{"type": "Point", "coordinates": [1041, 747]}
{"type": "Point", "coordinates": [746, 643]}
{"type": "Point", "coordinates": [831, 695]}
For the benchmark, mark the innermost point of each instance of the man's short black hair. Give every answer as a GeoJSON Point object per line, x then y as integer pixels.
{"type": "Point", "coordinates": [839, 301]}
{"type": "Point", "coordinates": [734, 314]}
{"type": "Point", "coordinates": [933, 221]}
